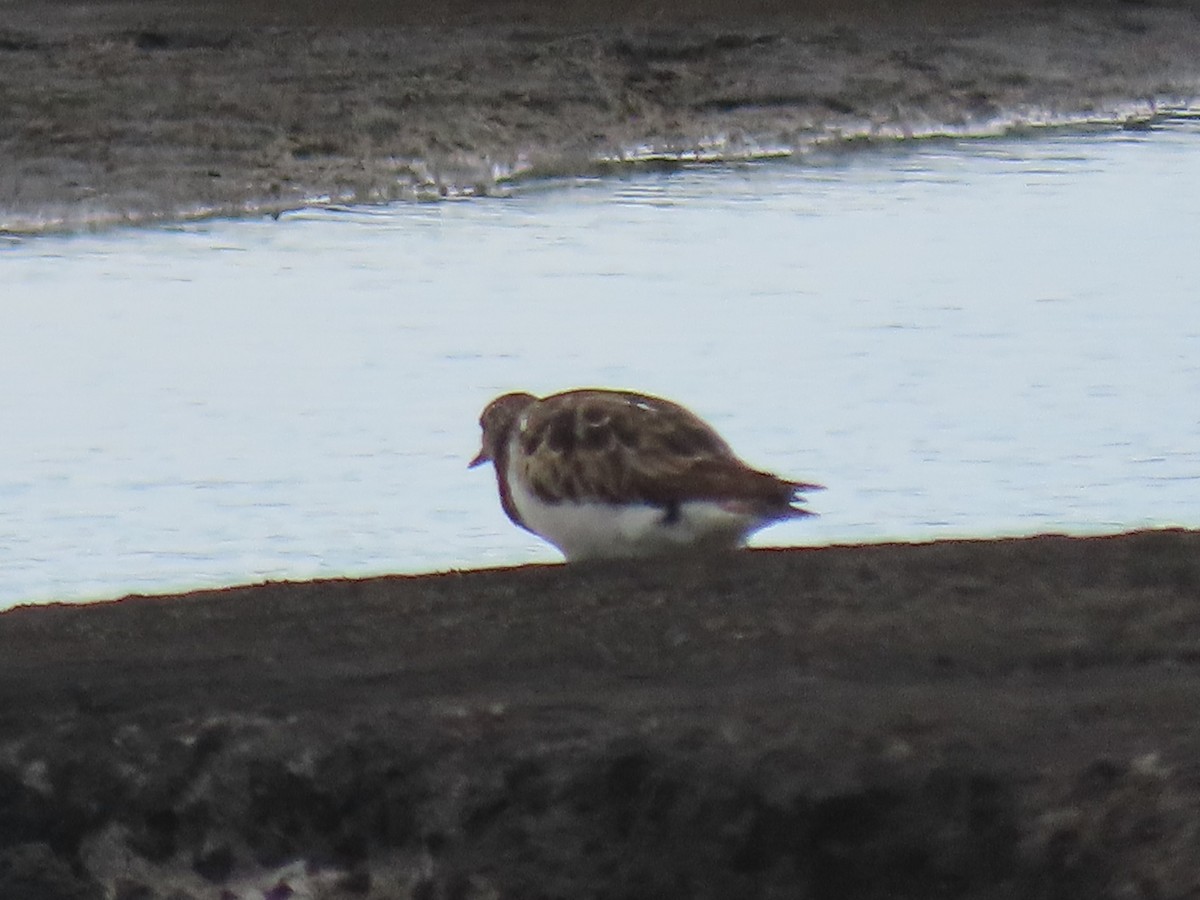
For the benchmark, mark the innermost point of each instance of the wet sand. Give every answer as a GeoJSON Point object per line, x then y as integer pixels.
{"type": "Point", "coordinates": [167, 109]}
{"type": "Point", "coordinates": [991, 719]}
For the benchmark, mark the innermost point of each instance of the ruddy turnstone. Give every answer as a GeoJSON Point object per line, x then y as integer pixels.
{"type": "Point", "coordinates": [612, 474]}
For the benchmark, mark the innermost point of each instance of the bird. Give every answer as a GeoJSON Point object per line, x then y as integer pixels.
{"type": "Point", "coordinates": [613, 474]}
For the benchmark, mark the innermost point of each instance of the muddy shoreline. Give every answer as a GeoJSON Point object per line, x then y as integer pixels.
{"type": "Point", "coordinates": [1009, 718]}
{"type": "Point", "coordinates": [166, 109]}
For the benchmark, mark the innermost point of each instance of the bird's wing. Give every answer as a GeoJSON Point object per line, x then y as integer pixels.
{"type": "Point", "coordinates": [613, 446]}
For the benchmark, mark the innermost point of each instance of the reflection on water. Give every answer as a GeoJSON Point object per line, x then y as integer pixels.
{"type": "Point", "coordinates": [974, 339]}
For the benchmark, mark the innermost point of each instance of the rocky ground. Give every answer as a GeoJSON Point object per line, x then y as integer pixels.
{"type": "Point", "coordinates": [116, 112]}
{"type": "Point", "coordinates": [992, 719]}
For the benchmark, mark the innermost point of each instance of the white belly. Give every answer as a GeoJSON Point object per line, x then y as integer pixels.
{"type": "Point", "coordinates": [608, 531]}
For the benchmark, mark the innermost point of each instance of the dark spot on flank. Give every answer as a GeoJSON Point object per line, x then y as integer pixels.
{"type": "Point", "coordinates": [688, 441]}
{"type": "Point", "coordinates": [594, 415]}
{"type": "Point", "coordinates": [671, 513]}
{"type": "Point", "coordinates": [626, 435]}
{"type": "Point", "coordinates": [595, 437]}
{"type": "Point", "coordinates": [530, 439]}
{"type": "Point", "coordinates": [542, 491]}
{"type": "Point", "coordinates": [560, 436]}
{"type": "Point", "coordinates": [569, 489]}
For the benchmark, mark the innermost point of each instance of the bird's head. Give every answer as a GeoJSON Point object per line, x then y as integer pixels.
{"type": "Point", "coordinates": [497, 422]}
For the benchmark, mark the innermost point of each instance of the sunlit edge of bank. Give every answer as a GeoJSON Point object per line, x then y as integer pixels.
{"type": "Point", "coordinates": [419, 181]}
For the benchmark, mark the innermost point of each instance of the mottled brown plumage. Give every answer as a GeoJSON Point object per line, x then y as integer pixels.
{"type": "Point", "coordinates": [621, 449]}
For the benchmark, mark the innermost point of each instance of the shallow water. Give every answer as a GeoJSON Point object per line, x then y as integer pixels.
{"type": "Point", "coordinates": [959, 338]}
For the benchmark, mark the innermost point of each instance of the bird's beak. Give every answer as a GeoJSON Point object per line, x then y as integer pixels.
{"type": "Point", "coordinates": [479, 460]}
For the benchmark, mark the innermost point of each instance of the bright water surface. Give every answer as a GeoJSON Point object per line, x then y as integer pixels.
{"type": "Point", "coordinates": [966, 338]}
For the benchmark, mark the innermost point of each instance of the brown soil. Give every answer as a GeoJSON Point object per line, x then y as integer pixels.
{"type": "Point", "coordinates": [137, 111]}
{"type": "Point", "coordinates": [991, 719]}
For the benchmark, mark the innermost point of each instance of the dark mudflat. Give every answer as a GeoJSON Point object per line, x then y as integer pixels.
{"type": "Point", "coordinates": [1010, 718]}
